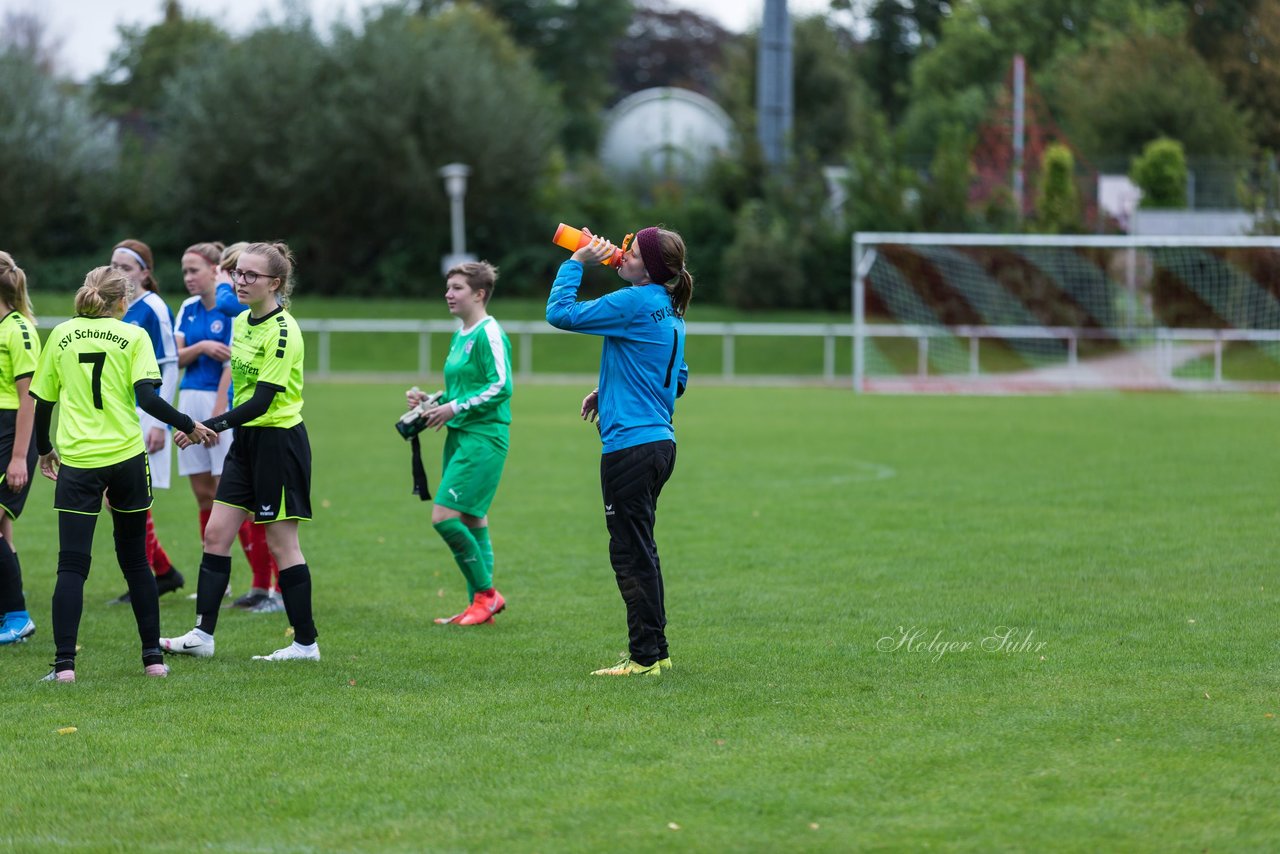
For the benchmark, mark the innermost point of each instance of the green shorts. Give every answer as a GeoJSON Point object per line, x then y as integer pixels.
{"type": "Point", "coordinates": [471, 469]}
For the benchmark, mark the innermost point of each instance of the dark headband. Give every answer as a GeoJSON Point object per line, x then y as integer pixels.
{"type": "Point", "coordinates": [651, 254]}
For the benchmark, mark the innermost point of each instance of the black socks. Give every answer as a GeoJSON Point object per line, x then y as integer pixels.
{"type": "Point", "coordinates": [295, 588]}
{"type": "Point", "coordinates": [215, 574]}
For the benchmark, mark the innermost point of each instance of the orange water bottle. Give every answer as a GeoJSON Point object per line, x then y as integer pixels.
{"type": "Point", "coordinates": [573, 239]}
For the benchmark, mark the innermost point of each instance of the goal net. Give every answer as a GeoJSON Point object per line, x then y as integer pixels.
{"type": "Point", "coordinates": [1010, 313]}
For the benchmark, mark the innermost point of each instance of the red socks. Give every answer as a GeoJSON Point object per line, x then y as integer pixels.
{"type": "Point", "coordinates": [253, 538]}
{"type": "Point", "coordinates": [156, 558]}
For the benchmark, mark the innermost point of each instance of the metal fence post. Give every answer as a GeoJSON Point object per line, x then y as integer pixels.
{"type": "Point", "coordinates": [324, 351]}
{"type": "Point", "coordinates": [829, 355]}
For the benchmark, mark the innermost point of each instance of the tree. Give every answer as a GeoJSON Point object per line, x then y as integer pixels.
{"type": "Point", "coordinates": [26, 34]}
{"type": "Point", "coordinates": [944, 198]}
{"type": "Point", "coordinates": [148, 58]}
{"type": "Point", "coordinates": [572, 42]}
{"type": "Point", "coordinates": [337, 145]}
{"type": "Point", "coordinates": [888, 53]}
{"type": "Point", "coordinates": [1214, 27]}
{"type": "Point", "coordinates": [1114, 97]}
{"type": "Point", "coordinates": [1242, 51]}
{"type": "Point", "coordinates": [831, 101]}
{"type": "Point", "coordinates": [956, 81]}
{"type": "Point", "coordinates": [665, 46]}
{"type": "Point", "coordinates": [881, 182]}
{"type": "Point", "coordinates": [1058, 205]}
{"type": "Point", "coordinates": [1161, 174]}
{"type": "Point", "coordinates": [56, 161]}
{"type": "Point", "coordinates": [766, 271]}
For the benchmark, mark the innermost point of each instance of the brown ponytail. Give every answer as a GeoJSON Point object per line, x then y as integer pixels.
{"type": "Point", "coordinates": [680, 287]}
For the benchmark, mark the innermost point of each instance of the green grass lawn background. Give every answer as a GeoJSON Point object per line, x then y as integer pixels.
{"type": "Point", "coordinates": [1132, 535]}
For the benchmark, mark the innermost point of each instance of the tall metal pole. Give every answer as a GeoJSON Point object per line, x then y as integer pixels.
{"type": "Point", "coordinates": [774, 98]}
{"type": "Point", "coordinates": [1019, 131]}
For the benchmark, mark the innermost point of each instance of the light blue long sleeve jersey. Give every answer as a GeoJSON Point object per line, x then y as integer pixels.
{"type": "Point", "coordinates": [642, 369]}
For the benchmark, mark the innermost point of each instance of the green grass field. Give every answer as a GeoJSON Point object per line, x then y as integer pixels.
{"type": "Point", "coordinates": [1240, 362]}
{"type": "Point", "coordinates": [804, 532]}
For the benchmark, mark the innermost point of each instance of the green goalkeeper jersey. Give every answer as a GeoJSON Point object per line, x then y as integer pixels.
{"type": "Point", "coordinates": [19, 352]}
{"type": "Point", "coordinates": [477, 379]}
{"type": "Point", "coordinates": [269, 350]}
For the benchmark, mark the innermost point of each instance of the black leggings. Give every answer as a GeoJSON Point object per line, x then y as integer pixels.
{"type": "Point", "coordinates": [75, 546]}
{"type": "Point", "coordinates": [631, 481]}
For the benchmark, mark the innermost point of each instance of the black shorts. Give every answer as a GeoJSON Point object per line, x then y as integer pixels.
{"type": "Point", "coordinates": [127, 485]}
{"type": "Point", "coordinates": [12, 502]}
{"type": "Point", "coordinates": [268, 473]}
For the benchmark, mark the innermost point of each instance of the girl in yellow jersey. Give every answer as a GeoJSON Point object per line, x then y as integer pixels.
{"type": "Point", "coordinates": [95, 365]}
{"type": "Point", "coordinates": [19, 349]}
{"type": "Point", "coordinates": [267, 473]}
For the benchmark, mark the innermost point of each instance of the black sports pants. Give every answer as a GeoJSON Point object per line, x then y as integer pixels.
{"type": "Point", "coordinates": [631, 480]}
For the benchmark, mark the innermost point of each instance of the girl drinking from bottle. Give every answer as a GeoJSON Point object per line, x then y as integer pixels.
{"type": "Point", "coordinates": [642, 372]}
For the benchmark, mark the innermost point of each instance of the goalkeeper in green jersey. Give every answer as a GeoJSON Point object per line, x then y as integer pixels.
{"type": "Point", "coordinates": [476, 408]}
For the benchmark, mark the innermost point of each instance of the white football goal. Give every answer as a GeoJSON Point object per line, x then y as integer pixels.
{"type": "Point", "coordinates": [1009, 313]}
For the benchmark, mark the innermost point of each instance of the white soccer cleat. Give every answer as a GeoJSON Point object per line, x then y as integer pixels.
{"type": "Point", "coordinates": [293, 652]}
{"type": "Point", "coordinates": [194, 642]}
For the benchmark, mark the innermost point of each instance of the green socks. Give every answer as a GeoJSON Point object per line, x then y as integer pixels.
{"type": "Point", "coordinates": [486, 554]}
{"type": "Point", "coordinates": [468, 554]}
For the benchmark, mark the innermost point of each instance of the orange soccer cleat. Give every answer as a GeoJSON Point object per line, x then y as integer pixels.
{"type": "Point", "coordinates": [486, 604]}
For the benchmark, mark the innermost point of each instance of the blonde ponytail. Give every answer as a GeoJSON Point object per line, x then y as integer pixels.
{"type": "Point", "coordinates": [101, 292]}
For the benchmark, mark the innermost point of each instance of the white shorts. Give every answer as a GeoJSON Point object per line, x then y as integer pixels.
{"type": "Point", "coordinates": [159, 461]}
{"type": "Point", "coordinates": [198, 459]}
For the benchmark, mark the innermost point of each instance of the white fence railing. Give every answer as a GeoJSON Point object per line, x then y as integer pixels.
{"type": "Point", "coordinates": [1153, 350]}
{"type": "Point", "coordinates": [524, 332]}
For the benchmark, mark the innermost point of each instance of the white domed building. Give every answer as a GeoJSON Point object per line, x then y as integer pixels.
{"type": "Point", "coordinates": [664, 131]}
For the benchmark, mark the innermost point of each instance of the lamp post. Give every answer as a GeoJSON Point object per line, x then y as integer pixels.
{"type": "Point", "coordinates": [455, 184]}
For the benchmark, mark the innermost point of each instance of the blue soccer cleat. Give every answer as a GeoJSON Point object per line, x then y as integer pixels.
{"type": "Point", "coordinates": [17, 627]}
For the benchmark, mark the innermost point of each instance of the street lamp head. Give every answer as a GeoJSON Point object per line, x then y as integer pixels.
{"type": "Point", "coordinates": [455, 179]}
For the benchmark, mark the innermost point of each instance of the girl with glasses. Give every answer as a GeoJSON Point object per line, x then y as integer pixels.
{"type": "Point", "coordinates": [203, 335]}
{"type": "Point", "coordinates": [267, 473]}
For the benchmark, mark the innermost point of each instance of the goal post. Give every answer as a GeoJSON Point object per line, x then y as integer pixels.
{"type": "Point", "coordinates": [1009, 313]}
